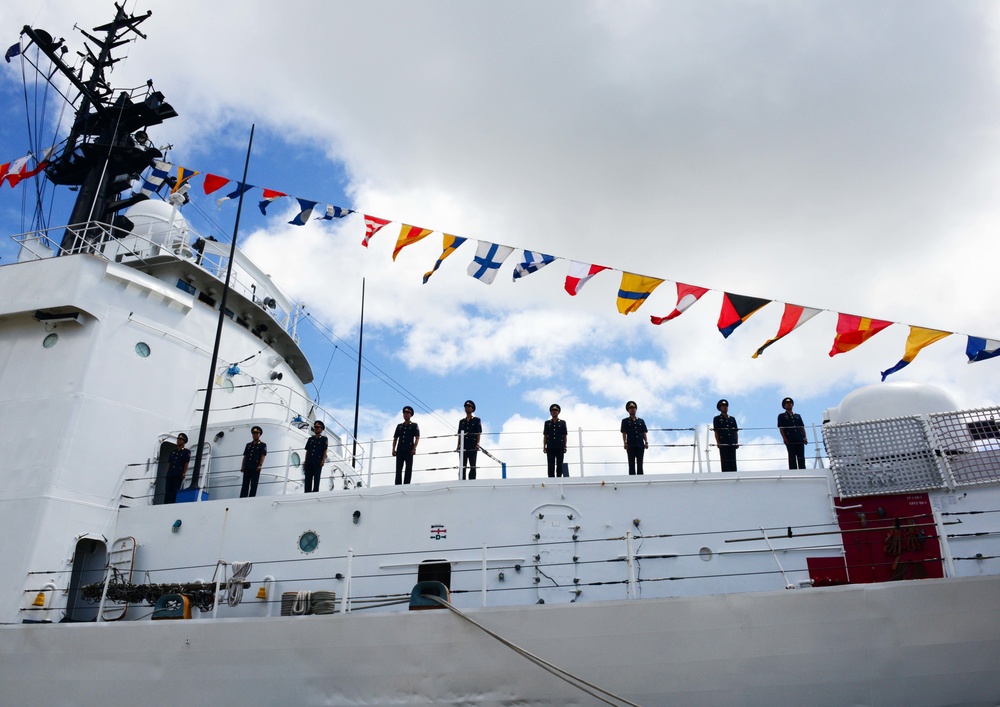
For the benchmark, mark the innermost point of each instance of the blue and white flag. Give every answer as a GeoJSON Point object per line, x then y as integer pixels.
{"type": "Point", "coordinates": [235, 194]}
{"type": "Point", "coordinates": [14, 50]}
{"type": "Point", "coordinates": [303, 216]}
{"type": "Point", "coordinates": [981, 349]}
{"type": "Point", "coordinates": [151, 185]}
{"type": "Point", "coordinates": [489, 258]}
{"type": "Point", "coordinates": [333, 212]}
{"type": "Point", "coordinates": [533, 262]}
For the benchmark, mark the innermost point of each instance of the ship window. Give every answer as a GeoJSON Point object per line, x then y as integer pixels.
{"type": "Point", "coordinates": [308, 541]}
{"type": "Point", "coordinates": [186, 286]}
{"type": "Point", "coordinates": [706, 554]}
{"type": "Point", "coordinates": [227, 385]}
{"type": "Point", "coordinates": [295, 459]}
{"type": "Point", "coordinates": [142, 349]}
{"type": "Point", "coordinates": [50, 340]}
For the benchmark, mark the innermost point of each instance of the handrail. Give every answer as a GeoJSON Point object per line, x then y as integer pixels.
{"type": "Point", "coordinates": [607, 566]}
{"type": "Point", "coordinates": [113, 244]}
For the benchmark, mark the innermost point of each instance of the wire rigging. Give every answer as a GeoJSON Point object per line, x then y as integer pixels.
{"type": "Point", "coordinates": [576, 681]}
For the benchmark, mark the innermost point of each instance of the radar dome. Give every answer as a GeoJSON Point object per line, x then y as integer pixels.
{"type": "Point", "coordinates": [157, 221]}
{"type": "Point", "coordinates": [883, 400]}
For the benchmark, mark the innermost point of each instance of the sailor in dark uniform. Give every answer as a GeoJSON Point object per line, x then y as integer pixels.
{"type": "Point", "coordinates": [177, 465]}
{"type": "Point", "coordinates": [404, 446]}
{"type": "Point", "coordinates": [253, 461]}
{"type": "Point", "coordinates": [727, 435]}
{"type": "Point", "coordinates": [793, 434]}
{"type": "Point", "coordinates": [470, 428]}
{"type": "Point", "coordinates": [316, 447]}
{"type": "Point", "coordinates": [554, 441]}
{"type": "Point", "coordinates": [634, 439]}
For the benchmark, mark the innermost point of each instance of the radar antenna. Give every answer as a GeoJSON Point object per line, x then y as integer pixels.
{"type": "Point", "coordinates": [107, 147]}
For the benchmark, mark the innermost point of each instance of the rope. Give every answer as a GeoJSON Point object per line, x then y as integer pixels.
{"type": "Point", "coordinates": [303, 600]}
{"type": "Point", "coordinates": [577, 682]}
{"type": "Point", "coordinates": [323, 602]}
{"type": "Point", "coordinates": [234, 587]}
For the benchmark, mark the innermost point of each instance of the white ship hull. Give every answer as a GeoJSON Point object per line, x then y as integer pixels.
{"type": "Point", "coordinates": [932, 642]}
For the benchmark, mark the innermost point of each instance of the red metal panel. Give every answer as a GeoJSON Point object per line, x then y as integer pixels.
{"type": "Point", "coordinates": [827, 571]}
{"type": "Point", "coordinates": [888, 538]}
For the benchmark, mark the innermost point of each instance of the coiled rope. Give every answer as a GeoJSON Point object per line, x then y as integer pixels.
{"type": "Point", "coordinates": [302, 603]}
{"type": "Point", "coordinates": [577, 682]}
{"type": "Point", "coordinates": [234, 587]}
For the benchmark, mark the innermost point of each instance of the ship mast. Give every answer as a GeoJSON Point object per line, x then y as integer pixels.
{"type": "Point", "coordinates": [107, 147]}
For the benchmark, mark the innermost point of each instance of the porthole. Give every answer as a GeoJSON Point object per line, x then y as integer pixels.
{"type": "Point", "coordinates": [706, 554]}
{"type": "Point", "coordinates": [295, 459]}
{"type": "Point", "coordinates": [227, 385]}
{"type": "Point", "coordinates": [308, 542]}
{"type": "Point", "coordinates": [49, 341]}
{"type": "Point", "coordinates": [142, 349]}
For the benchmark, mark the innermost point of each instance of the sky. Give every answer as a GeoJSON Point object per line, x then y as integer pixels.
{"type": "Point", "coordinates": [841, 156]}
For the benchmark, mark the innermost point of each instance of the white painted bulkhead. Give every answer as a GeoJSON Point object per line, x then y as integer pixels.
{"type": "Point", "coordinates": [96, 365]}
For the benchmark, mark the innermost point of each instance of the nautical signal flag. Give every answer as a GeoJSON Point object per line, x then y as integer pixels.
{"type": "Point", "coordinates": [214, 182]}
{"type": "Point", "coordinates": [793, 317]}
{"type": "Point", "coordinates": [736, 309]}
{"type": "Point", "coordinates": [450, 245]}
{"type": "Point", "coordinates": [981, 349]}
{"type": "Point", "coordinates": [489, 258]}
{"type": "Point", "coordinates": [184, 176]}
{"type": "Point", "coordinates": [853, 331]}
{"type": "Point", "coordinates": [578, 275]}
{"type": "Point", "coordinates": [156, 177]}
{"type": "Point", "coordinates": [15, 170]}
{"type": "Point", "coordinates": [333, 212]}
{"type": "Point", "coordinates": [533, 262]}
{"type": "Point", "coordinates": [686, 296]}
{"type": "Point", "coordinates": [918, 339]}
{"type": "Point", "coordinates": [372, 226]}
{"type": "Point", "coordinates": [270, 195]}
{"type": "Point", "coordinates": [39, 164]}
{"type": "Point", "coordinates": [19, 171]}
{"type": "Point", "coordinates": [235, 193]}
{"type": "Point", "coordinates": [305, 211]}
{"type": "Point", "coordinates": [634, 290]}
{"type": "Point", "coordinates": [408, 235]}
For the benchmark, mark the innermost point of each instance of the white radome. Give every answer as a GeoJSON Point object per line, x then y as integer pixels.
{"type": "Point", "coordinates": [883, 400]}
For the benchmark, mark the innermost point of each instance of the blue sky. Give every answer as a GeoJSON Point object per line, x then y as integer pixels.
{"type": "Point", "coordinates": [840, 156]}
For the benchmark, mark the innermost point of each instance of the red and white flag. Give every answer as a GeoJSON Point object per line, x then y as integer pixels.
{"type": "Point", "coordinates": [794, 317]}
{"type": "Point", "coordinates": [16, 171]}
{"type": "Point", "coordinates": [686, 296]}
{"type": "Point", "coordinates": [578, 275]}
{"type": "Point", "coordinates": [372, 226]}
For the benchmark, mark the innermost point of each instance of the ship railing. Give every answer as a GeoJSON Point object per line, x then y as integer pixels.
{"type": "Point", "coordinates": [115, 244]}
{"type": "Point", "coordinates": [590, 452]}
{"type": "Point", "coordinates": [281, 474]}
{"type": "Point", "coordinates": [271, 400]}
{"type": "Point", "coordinates": [643, 562]}
{"type": "Point", "coordinates": [965, 451]}
{"type": "Point", "coordinates": [507, 455]}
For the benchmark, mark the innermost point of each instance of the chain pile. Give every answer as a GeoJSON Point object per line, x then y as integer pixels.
{"type": "Point", "coordinates": [200, 594]}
